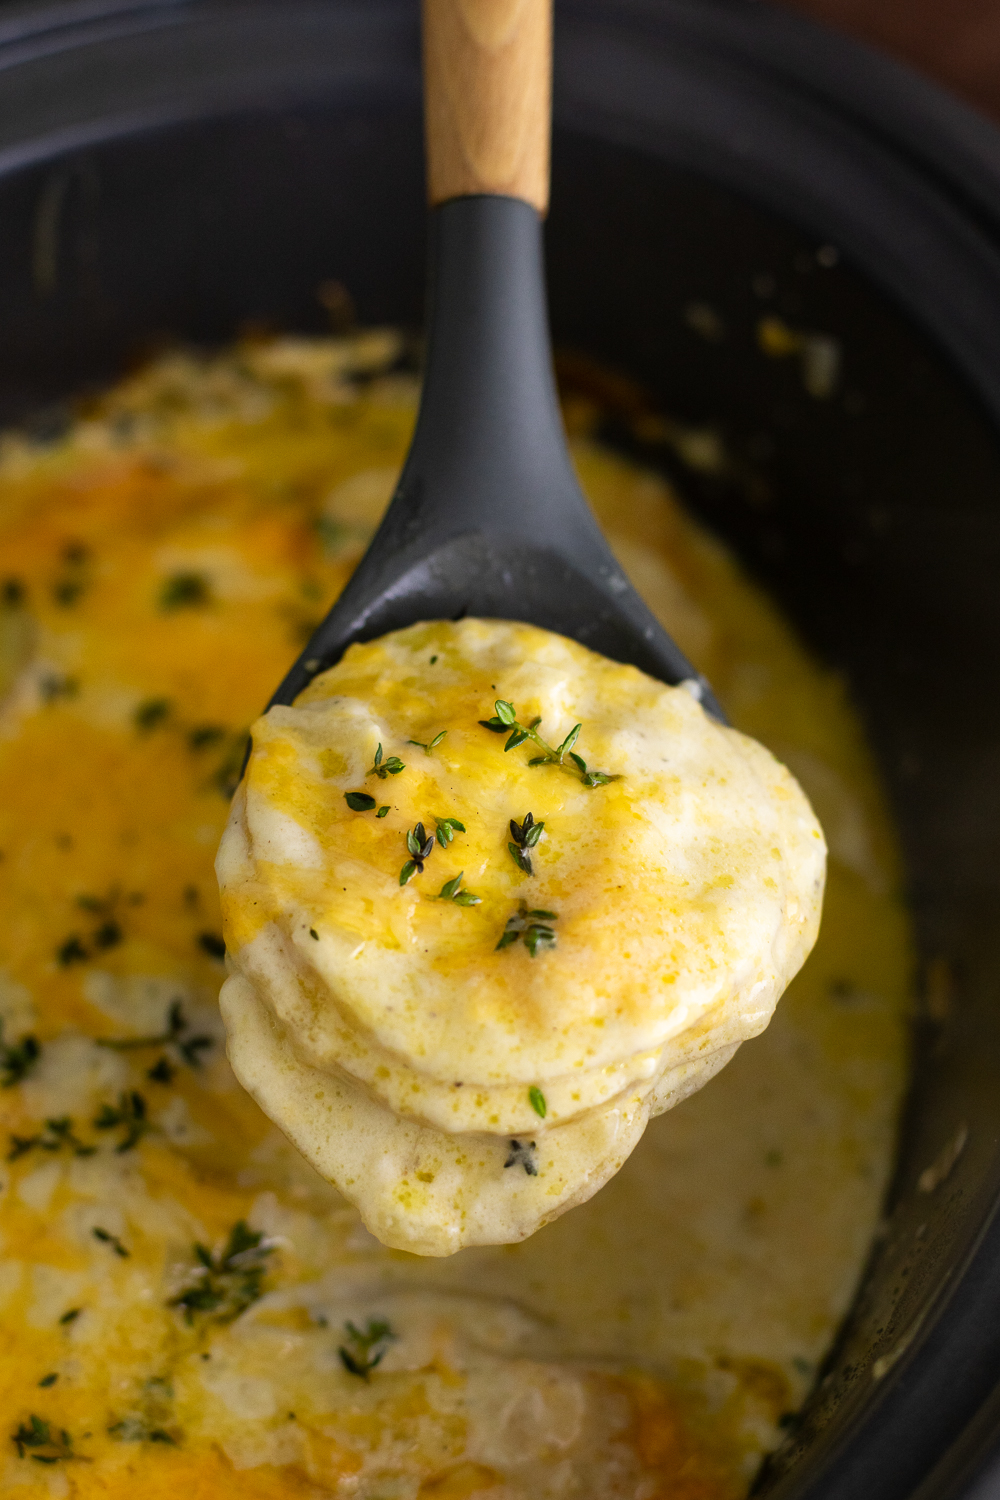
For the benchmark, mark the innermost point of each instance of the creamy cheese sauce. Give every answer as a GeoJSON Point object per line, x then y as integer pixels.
{"type": "Point", "coordinates": [161, 564]}
{"type": "Point", "coordinates": [602, 968]}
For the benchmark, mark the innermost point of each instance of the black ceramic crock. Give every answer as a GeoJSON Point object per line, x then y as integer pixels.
{"type": "Point", "coordinates": [179, 168]}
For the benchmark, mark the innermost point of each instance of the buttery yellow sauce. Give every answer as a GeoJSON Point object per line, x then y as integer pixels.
{"type": "Point", "coordinates": [161, 565]}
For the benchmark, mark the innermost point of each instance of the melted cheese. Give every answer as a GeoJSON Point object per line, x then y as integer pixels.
{"type": "Point", "coordinates": [409, 1051]}
{"type": "Point", "coordinates": [647, 1343]}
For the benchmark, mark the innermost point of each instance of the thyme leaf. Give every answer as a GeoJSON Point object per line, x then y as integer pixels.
{"type": "Point", "coordinates": [225, 1284]}
{"type": "Point", "coordinates": [359, 801]}
{"type": "Point", "coordinates": [447, 829]}
{"type": "Point", "coordinates": [363, 1349]}
{"type": "Point", "coordinates": [383, 768]}
{"type": "Point", "coordinates": [42, 1442]}
{"type": "Point", "coordinates": [71, 951]}
{"type": "Point", "coordinates": [382, 811]}
{"type": "Point", "coordinates": [451, 891]}
{"type": "Point", "coordinates": [522, 1154]}
{"type": "Point", "coordinates": [17, 1059]}
{"type": "Point", "coordinates": [184, 591]}
{"type": "Point", "coordinates": [130, 1112]}
{"type": "Point", "coordinates": [524, 836]}
{"type": "Point", "coordinates": [151, 713]}
{"type": "Point", "coordinates": [532, 925]}
{"type": "Point", "coordinates": [110, 1239]}
{"type": "Point", "coordinates": [562, 755]}
{"type": "Point", "coordinates": [137, 1430]}
{"type": "Point", "coordinates": [428, 748]}
{"type": "Point", "coordinates": [173, 1033]}
{"type": "Point", "coordinates": [419, 847]}
{"type": "Point", "coordinates": [537, 1101]}
{"type": "Point", "coordinates": [58, 1133]}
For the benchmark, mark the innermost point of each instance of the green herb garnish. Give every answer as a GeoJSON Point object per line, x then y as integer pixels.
{"type": "Point", "coordinates": [447, 829]}
{"type": "Point", "coordinates": [151, 713]}
{"type": "Point", "coordinates": [419, 846]}
{"type": "Point", "coordinates": [362, 1351]}
{"type": "Point", "coordinates": [359, 801]}
{"type": "Point", "coordinates": [110, 1239]}
{"type": "Point", "coordinates": [70, 1316]}
{"type": "Point", "coordinates": [224, 1285]}
{"type": "Point", "coordinates": [203, 735]}
{"type": "Point", "coordinates": [562, 755]}
{"type": "Point", "coordinates": [522, 1154]}
{"type": "Point", "coordinates": [53, 1446]}
{"type": "Point", "coordinates": [54, 686]}
{"type": "Point", "coordinates": [161, 1071]}
{"type": "Point", "coordinates": [17, 1058]}
{"type": "Point", "coordinates": [136, 1430]}
{"type": "Point", "coordinates": [537, 1101]}
{"type": "Point", "coordinates": [382, 812]}
{"type": "Point", "coordinates": [531, 924]}
{"type": "Point", "coordinates": [71, 951]}
{"type": "Point", "coordinates": [47, 1380]}
{"type": "Point", "coordinates": [173, 1034]}
{"type": "Point", "coordinates": [383, 768]}
{"type": "Point", "coordinates": [184, 591]}
{"type": "Point", "coordinates": [524, 836]}
{"type": "Point", "coordinates": [130, 1112]}
{"type": "Point", "coordinates": [451, 891]}
{"type": "Point", "coordinates": [431, 744]}
{"type": "Point", "coordinates": [58, 1133]}
{"type": "Point", "coordinates": [212, 944]}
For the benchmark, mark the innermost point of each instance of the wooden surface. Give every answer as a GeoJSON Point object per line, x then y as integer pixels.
{"type": "Point", "coordinates": [955, 41]}
{"type": "Point", "coordinates": [488, 98]}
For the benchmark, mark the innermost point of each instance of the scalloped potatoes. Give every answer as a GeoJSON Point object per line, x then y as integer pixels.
{"type": "Point", "coordinates": [460, 1084]}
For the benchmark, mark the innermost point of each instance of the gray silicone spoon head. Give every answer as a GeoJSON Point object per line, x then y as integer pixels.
{"type": "Point", "coordinates": [488, 518]}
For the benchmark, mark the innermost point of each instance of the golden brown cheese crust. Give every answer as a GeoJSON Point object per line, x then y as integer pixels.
{"type": "Point", "coordinates": [242, 489]}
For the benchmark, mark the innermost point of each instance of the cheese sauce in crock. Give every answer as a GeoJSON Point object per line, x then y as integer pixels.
{"type": "Point", "coordinates": [185, 1302]}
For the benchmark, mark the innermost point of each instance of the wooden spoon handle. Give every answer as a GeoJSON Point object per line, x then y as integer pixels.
{"type": "Point", "coordinates": [488, 98]}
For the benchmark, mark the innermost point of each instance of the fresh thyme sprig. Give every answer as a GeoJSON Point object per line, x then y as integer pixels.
{"type": "Point", "coordinates": [431, 744]}
{"type": "Point", "coordinates": [130, 1112]}
{"type": "Point", "coordinates": [57, 1134]}
{"type": "Point", "coordinates": [173, 1034]}
{"type": "Point", "coordinates": [17, 1059]}
{"type": "Point", "coordinates": [53, 1445]}
{"type": "Point", "coordinates": [225, 1285]}
{"type": "Point", "coordinates": [362, 1350]}
{"type": "Point", "coordinates": [563, 756]}
{"type": "Point", "coordinates": [383, 768]}
{"type": "Point", "coordinates": [524, 836]}
{"type": "Point", "coordinates": [447, 829]}
{"type": "Point", "coordinates": [451, 891]}
{"type": "Point", "coordinates": [531, 924]}
{"type": "Point", "coordinates": [420, 846]}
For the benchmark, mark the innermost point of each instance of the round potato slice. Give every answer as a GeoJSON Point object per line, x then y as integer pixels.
{"type": "Point", "coordinates": [397, 913]}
